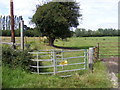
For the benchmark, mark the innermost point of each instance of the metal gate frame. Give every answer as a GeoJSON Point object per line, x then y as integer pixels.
{"type": "Point", "coordinates": [54, 60]}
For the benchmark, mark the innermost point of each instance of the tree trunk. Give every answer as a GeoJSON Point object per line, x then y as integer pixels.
{"type": "Point", "coordinates": [51, 41]}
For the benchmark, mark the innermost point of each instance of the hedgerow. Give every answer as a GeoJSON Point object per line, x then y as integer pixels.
{"type": "Point", "coordinates": [15, 58]}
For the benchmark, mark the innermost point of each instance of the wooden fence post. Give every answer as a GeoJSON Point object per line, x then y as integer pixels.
{"type": "Point", "coordinates": [90, 58]}
{"type": "Point", "coordinates": [98, 51]}
{"type": "Point", "coordinates": [95, 53]}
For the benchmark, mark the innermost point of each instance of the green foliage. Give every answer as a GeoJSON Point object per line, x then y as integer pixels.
{"type": "Point", "coordinates": [78, 32]}
{"type": "Point", "coordinates": [29, 33]}
{"type": "Point", "coordinates": [6, 32]}
{"type": "Point", "coordinates": [118, 75]}
{"type": "Point", "coordinates": [55, 18]}
{"type": "Point", "coordinates": [100, 32]}
{"type": "Point", "coordinates": [15, 58]}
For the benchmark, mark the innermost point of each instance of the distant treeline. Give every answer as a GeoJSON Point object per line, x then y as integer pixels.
{"type": "Point", "coordinates": [77, 33]}
{"type": "Point", "coordinates": [29, 33]}
{"type": "Point", "coordinates": [100, 32]}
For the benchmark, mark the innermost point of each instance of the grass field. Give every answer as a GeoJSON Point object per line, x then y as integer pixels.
{"type": "Point", "coordinates": [80, 79]}
{"type": "Point", "coordinates": [78, 43]}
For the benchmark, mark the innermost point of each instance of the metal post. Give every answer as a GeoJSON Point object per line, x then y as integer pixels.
{"type": "Point", "coordinates": [51, 56]}
{"type": "Point", "coordinates": [90, 59]}
{"type": "Point", "coordinates": [22, 34]}
{"type": "Point", "coordinates": [12, 23]}
{"type": "Point", "coordinates": [37, 64]}
{"type": "Point", "coordinates": [85, 58]}
{"type": "Point", "coordinates": [62, 53]}
{"type": "Point", "coordinates": [54, 62]}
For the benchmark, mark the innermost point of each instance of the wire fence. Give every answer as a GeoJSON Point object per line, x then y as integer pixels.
{"type": "Point", "coordinates": [108, 49]}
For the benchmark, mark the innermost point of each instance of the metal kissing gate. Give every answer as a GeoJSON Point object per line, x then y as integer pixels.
{"type": "Point", "coordinates": [58, 61]}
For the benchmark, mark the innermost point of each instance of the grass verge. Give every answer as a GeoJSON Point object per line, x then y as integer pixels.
{"type": "Point", "coordinates": [83, 79]}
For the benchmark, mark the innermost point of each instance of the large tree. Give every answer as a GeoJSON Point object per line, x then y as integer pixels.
{"type": "Point", "coordinates": [54, 19]}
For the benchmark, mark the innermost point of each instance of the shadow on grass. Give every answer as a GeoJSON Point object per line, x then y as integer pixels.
{"type": "Point", "coordinates": [73, 48]}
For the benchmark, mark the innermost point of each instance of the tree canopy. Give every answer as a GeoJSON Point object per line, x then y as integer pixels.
{"type": "Point", "coordinates": [54, 19]}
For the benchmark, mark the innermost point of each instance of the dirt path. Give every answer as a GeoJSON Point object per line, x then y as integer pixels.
{"type": "Point", "coordinates": [112, 68]}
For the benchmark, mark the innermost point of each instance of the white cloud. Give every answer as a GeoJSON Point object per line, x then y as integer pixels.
{"type": "Point", "coordinates": [26, 8]}
{"type": "Point", "coordinates": [99, 13]}
{"type": "Point", "coordinates": [96, 13]}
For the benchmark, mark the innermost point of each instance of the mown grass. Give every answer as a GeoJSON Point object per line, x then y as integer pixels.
{"type": "Point", "coordinates": [74, 42]}
{"type": "Point", "coordinates": [82, 79]}
{"type": "Point", "coordinates": [82, 42]}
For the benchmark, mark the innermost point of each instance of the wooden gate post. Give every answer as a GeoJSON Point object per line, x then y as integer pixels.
{"type": "Point", "coordinates": [95, 53]}
{"type": "Point", "coordinates": [98, 51]}
{"type": "Point", "coordinates": [90, 58]}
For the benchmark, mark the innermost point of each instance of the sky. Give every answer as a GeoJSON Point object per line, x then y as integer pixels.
{"type": "Point", "coordinates": [96, 13]}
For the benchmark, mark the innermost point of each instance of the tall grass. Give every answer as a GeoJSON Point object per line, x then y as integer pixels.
{"type": "Point", "coordinates": [84, 79]}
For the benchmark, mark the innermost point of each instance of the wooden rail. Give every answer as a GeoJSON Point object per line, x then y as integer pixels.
{"type": "Point", "coordinates": [108, 49]}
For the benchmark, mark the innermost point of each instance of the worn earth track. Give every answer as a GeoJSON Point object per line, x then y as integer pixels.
{"type": "Point", "coordinates": [112, 68]}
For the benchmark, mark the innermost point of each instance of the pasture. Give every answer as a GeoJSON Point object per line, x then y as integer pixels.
{"type": "Point", "coordinates": [81, 79]}
{"type": "Point", "coordinates": [74, 42]}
